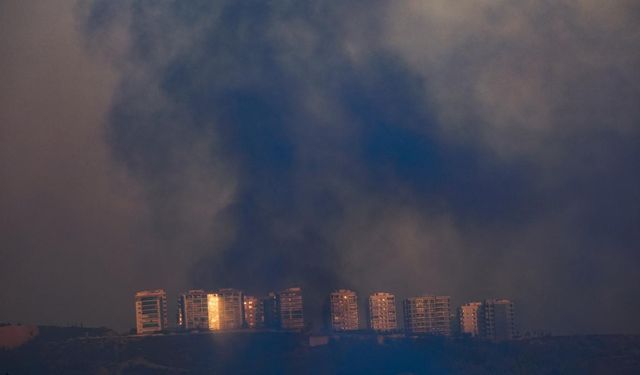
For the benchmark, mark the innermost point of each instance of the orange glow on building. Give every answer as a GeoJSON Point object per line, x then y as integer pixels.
{"type": "Point", "coordinates": [252, 312]}
{"type": "Point", "coordinates": [213, 311]}
{"type": "Point", "coordinates": [231, 309]}
{"type": "Point", "coordinates": [471, 318]}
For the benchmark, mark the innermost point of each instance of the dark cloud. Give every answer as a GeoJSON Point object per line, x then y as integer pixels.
{"type": "Point", "coordinates": [473, 149]}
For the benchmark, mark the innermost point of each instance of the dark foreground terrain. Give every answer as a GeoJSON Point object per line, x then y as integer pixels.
{"type": "Point", "coordinates": [84, 351]}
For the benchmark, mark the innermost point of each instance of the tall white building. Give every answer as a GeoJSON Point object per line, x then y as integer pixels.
{"type": "Point", "coordinates": [382, 312]}
{"type": "Point", "coordinates": [151, 311]}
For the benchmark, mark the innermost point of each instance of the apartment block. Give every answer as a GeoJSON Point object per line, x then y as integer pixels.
{"type": "Point", "coordinates": [290, 306]}
{"type": "Point", "coordinates": [193, 310]}
{"type": "Point", "coordinates": [499, 319]}
{"type": "Point", "coordinates": [382, 312]}
{"type": "Point", "coordinates": [471, 319]}
{"type": "Point", "coordinates": [232, 314]}
{"type": "Point", "coordinates": [344, 310]}
{"type": "Point", "coordinates": [151, 311]}
{"type": "Point", "coordinates": [428, 314]}
{"type": "Point", "coordinates": [271, 311]}
{"type": "Point", "coordinates": [253, 314]}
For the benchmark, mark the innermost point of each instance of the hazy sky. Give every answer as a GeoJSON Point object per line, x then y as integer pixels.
{"type": "Point", "coordinates": [472, 148]}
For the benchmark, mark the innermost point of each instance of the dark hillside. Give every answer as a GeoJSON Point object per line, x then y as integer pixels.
{"type": "Point", "coordinates": [58, 352]}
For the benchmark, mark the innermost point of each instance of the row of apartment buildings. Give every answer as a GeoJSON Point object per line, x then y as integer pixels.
{"type": "Point", "coordinates": [225, 309]}
{"type": "Point", "coordinates": [493, 319]}
{"type": "Point", "coordinates": [229, 309]}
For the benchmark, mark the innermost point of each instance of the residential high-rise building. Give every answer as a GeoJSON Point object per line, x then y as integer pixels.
{"type": "Point", "coordinates": [271, 311]}
{"type": "Point", "coordinates": [151, 311]}
{"type": "Point", "coordinates": [382, 312]}
{"type": "Point", "coordinates": [344, 310]}
{"type": "Point", "coordinates": [291, 309]}
{"type": "Point", "coordinates": [499, 319]}
{"type": "Point", "coordinates": [253, 316]}
{"type": "Point", "coordinates": [193, 310]}
{"type": "Point", "coordinates": [471, 319]}
{"type": "Point", "coordinates": [214, 311]}
{"type": "Point", "coordinates": [428, 315]}
{"type": "Point", "coordinates": [232, 314]}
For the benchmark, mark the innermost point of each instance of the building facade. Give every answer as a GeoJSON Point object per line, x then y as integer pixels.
{"type": "Point", "coordinates": [382, 312]}
{"type": "Point", "coordinates": [499, 319]}
{"type": "Point", "coordinates": [290, 306]}
{"type": "Point", "coordinates": [253, 315]}
{"type": "Point", "coordinates": [193, 310]}
{"type": "Point", "coordinates": [214, 311]}
{"type": "Point", "coordinates": [344, 310]}
{"type": "Point", "coordinates": [471, 319]}
{"type": "Point", "coordinates": [151, 311]}
{"type": "Point", "coordinates": [271, 311]}
{"type": "Point", "coordinates": [428, 315]}
{"type": "Point", "coordinates": [231, 308]}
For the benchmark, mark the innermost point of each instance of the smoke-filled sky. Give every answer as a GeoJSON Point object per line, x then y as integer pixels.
{"type": "Point", "coordinates": [469, 148]}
